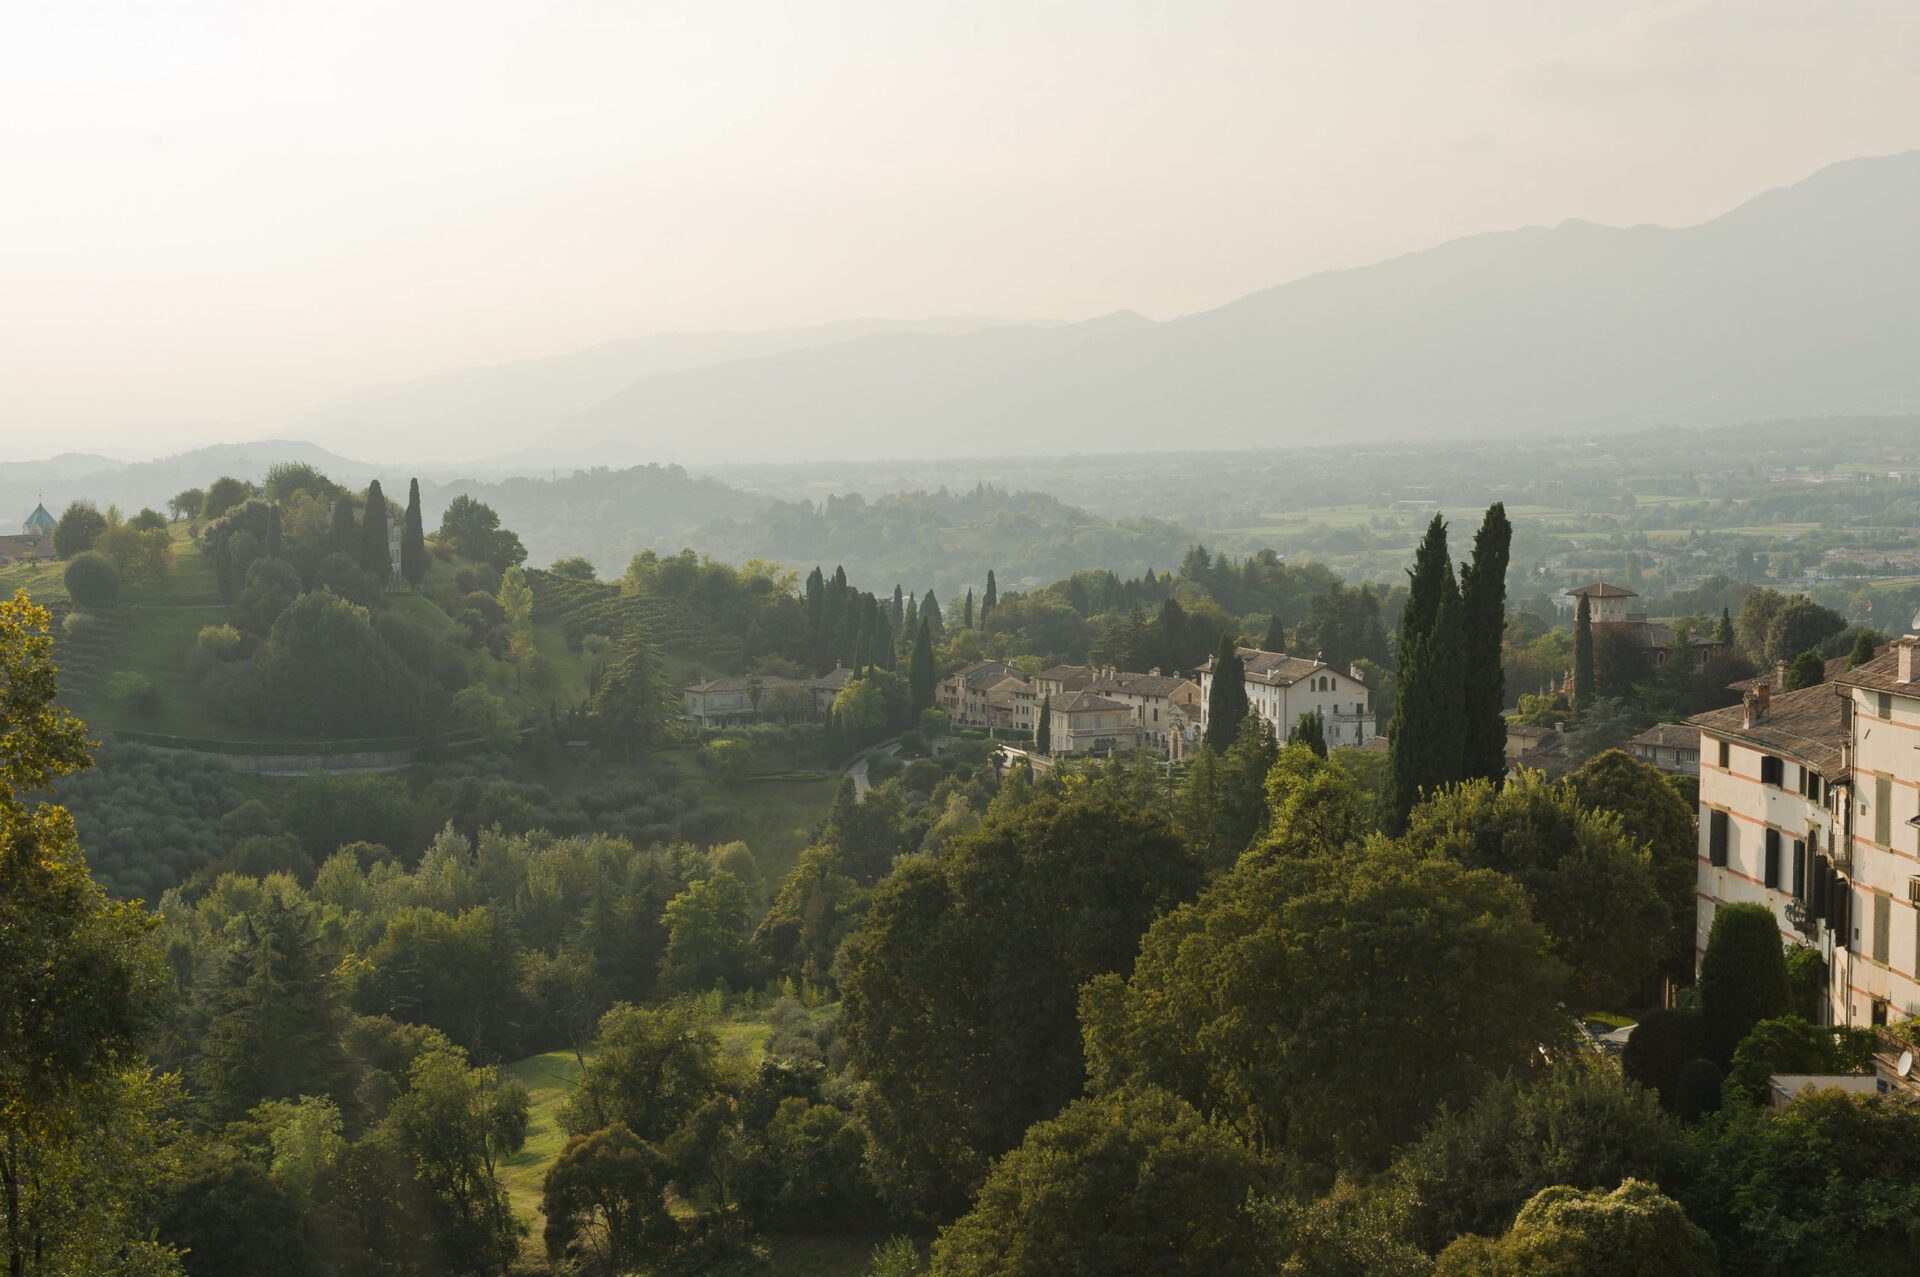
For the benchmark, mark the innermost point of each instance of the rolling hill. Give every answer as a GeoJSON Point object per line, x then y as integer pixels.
{"type": "Point", "coordinates": [1794, 303]}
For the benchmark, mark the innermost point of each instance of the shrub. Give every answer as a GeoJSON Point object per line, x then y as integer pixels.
{"type": "Point", "coordinates": [215, 645]}
{"type": "Point", "coordinates": [92, 580]}
{"type": "Point", "coordinates": [1662, 1045]}
{"type": "Point", "coordinates": [134, 692]}
{"type": "Point", "coordinates": [1698, 1091]}
{"type": "Point", "coordinates": [1743, 978]}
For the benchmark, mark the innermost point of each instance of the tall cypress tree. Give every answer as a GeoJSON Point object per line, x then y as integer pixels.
{"type": "Point", "coordinates": [344, 536]}
{"type": "Point", "coordinates": [920, 671]}
{"type": "Point", "coordinates": [930, 612]}
{"type": "Point", "coordinates": [1276, 639]}
{"type": "Point", "coordinates": [374, 555]}
{"type": "Point", "coordinates": [1723, 633]}
{"type": "Point", "coordinates": [1483, 605]}
{"type": "Point", "coordinates": [1582, 657]}
{"type": "Point", "coordinates": [989, 600]}
{"type": "Point", "coordinates": [1427, 737]}
{"type": "Point", "coordinates": [1043, 730]}
{"type": "Point", "coordinates": [966, 622]}
{"type": "Point", "coordinates": [1226, 696]}
{"type": "Point", "coordinates": [413, 539]}
{"type": "Point", "coordinates": [898, 615]}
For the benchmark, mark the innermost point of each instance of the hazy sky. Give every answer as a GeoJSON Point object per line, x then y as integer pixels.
{"type": "Point", "coordinates": [229, 211]}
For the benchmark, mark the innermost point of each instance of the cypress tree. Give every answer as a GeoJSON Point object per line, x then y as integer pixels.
{"type": "Point", "coordinates": [1311, 731]}
{"type": "Point", "coordinates": [1582, 657]}
{"type": "Point", "coordinates": [920, 672]}
{"type": "Point", "coordinates": [930, 613]}
{"type": "Point", "coordinates": [1170, 635]}
{"type": "Point", "coordinates": [1426, 736]}
{"type": "Point", "coordinates": [344, 536]}
{"type": "Point", "coordinates": [1723, 633]}
{"type": "Point", "coordinates": [1043, 730]}
{"type": "Point", "coordinates": [374, 555]}
{"type": "Point", "coordinates": [989, 600]}
{"type": "Point", "coordinates": [1226, 697]}
{"type": "Point", "coordinates": [1483, 602]}
{"type": "Point", "coordinates": [413, 539]}
{"type": "Point", "coordinates": [898, 615]}
{"type": "Point", "coordinates": [966, 622]}
{"type": "Point", "coordinates": [1276, 639]}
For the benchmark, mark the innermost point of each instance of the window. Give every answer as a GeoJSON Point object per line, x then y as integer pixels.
{"type": "Point", "coordinates": [1726, 755]}
{"type": "Point", "coordinates": [1883, 810]}
{"type": "Point", "coordinates": [1882, 926]}
{"type": "Point", "coordinates": [1884, 704]}
{"type": "Point", "coordinates": [1799, 869]}
{"type": "Point", "coordinates": [1772, 874]}
{"type": "Point", "coordinates": [1772, 771]}
{"type": "Point", "coordinates": [1717, 832]}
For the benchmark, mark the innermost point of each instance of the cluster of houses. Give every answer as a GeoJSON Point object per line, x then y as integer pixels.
{"type": "Point", "coordinates": [1088, 709]}
{"type": "Point", "coordinates": [34, 542]}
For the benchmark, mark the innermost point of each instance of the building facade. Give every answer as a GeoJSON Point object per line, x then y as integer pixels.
{"type": "Point", "coordinates": [1281, 688]}
{"type": "Point", "coordinates": [1083, 723]}
{"type": "Point", "coordinates": [1810, 805]}
{"type": "Point", "coordinates": [745, 701]}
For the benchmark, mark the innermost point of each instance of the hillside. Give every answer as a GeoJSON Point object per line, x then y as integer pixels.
{"type": "Point", "coordinates": [497, 408]}
{"type": "Point", "coordinates": [1794, 303]}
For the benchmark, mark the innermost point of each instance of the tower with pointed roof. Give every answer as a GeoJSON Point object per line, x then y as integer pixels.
{"type": "Point", "coordinates": [39, 523]}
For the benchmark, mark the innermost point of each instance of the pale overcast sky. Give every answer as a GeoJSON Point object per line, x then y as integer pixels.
{"type": "Point", "coordinates": [224, 210]}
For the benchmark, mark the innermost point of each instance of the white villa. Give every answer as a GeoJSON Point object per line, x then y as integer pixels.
{"type": "Point", "coordinates": [1281, 688]}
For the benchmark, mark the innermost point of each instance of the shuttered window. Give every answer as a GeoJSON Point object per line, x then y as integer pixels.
{"type": "Point", "coordinates": [1882, 926]}
{"type": "Point", "coordinates": [1717, 838]}
{"type": "Point", "coordinates": [1772, 771]}
{"type": "Point", "coordinates": [1772, 873]}
{"type": "Point", "coordinates": [1822, 884]}
{"type": "Point", "coordinates": [1726, 755]}
{"type": "Point", "coordinates": [1799, 869]}
{"type": "Point", "coordinates": [1883, 810]}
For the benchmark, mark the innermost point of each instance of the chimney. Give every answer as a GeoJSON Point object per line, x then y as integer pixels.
{"type": "Point", "coordinates": [1904, 663]}
{"type": "Point", "coordinates": [1780, 675]}
{"type": "Point", "coordinates": [1755, 705]}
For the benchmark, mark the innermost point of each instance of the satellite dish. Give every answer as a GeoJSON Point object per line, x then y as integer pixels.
{"type": "Point", "coordinates": [1906, 1063]}
{"type": "Point", "coordinates": [1913, 626]}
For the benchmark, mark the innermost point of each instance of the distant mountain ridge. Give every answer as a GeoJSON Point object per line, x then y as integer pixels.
{"type": "Point", "coordinates": [1797, 302]}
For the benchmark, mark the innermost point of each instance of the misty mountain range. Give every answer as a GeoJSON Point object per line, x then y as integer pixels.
{"type": "Point", "coordinates": [1798, 302]}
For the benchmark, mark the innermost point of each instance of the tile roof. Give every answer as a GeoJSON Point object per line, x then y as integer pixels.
{"type": "Point", "coordinates": [1832, 671]}
{"type": "Point", "coordinates": [1804, 725]}
{"type": "Point", "coordinates": [1139, 684]}
{"type": "Point", "coordinates": [1277, 668]}
{"type": "Point", "coordinates": [1669, 736]}
{"type": "Point", "coordinates": [1881, 674]}
{"type": "Point", "coordinates": [1601, 590]}
{"type": "Point", "coordinates": [1088, 702]}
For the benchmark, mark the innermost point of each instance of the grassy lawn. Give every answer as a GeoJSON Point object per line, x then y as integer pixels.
{"type": "Point", "coordinates": [155, 644]}
{"type": "Point", "coordinates": [547, 1078]}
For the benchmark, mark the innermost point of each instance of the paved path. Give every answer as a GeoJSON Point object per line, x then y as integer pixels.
{"type": "Point", "coordinates": [859, 769]}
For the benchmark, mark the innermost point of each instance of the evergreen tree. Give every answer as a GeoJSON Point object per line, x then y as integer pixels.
{"type": "Point", "coordinates": [930, 612]}
{"type": "Point", "coordinates": [1483, 604]}
{"type": "Point", "coordinates": [1276, 637]}
{"type": "Point", "coordinates": [344, 536]}
{"type": "Point", "coordinates": [1226, 697]}
{"type": "Point", "coordinates": [413, 539]}
{"type": "Point", "coordinates": [634, 708]}
{"type": "Point", "coordinates": [898, 615]}
{"type": "Point", "coordinates": [1863, 649]}
{"type": "Point", "coordinates": [1170, 636]}
{"type": "Point", "coordinates": [1043, 731]}
{"type": "Point", "coordinates": [275, 1029]}
{"type": "Point", "coordinates": [989, 600]}
{"type": "Point", "coordinates": [920, 672]}
{"type": "Point", "coordinates": [966, 622]}
{"type": "Point", "coordinates": [1723, 633]}
{"type": "Point", "coordinates": [375, 558]}
{"type": "Point", "coordinates": [1429, 699]}
{"type": "Point", "coordinates": [1582, 657]}
{"type": "Point", "coordinates": [1312, 732]}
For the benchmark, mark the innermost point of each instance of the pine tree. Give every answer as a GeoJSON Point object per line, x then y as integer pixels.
{"type": "Point", "coordinates": [920, 672]}
{"type": "Point", "coordinates": [1582, 657]}
{"type": "Point", "coordinates": [413, 539]}
{"type": "Point", "coordinates": [374, 555]}
{"type": "Point", "coordinates": [1723, 633]}
{"type": "Point", "coordinates": [1043, 731]}
{"type": "Point", "coordinates": [1226, 697]}
{"type": "Point", "coordinates": [1276, 637]}
{"type": "Point", "coordinates": [1483, 603]}
{"type": "Point", "coordinates": [1427, 737]}
{"type": "Point", "coordinates": [966, 622]}
{"type": "Point", "coordinates": [633, 707]}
